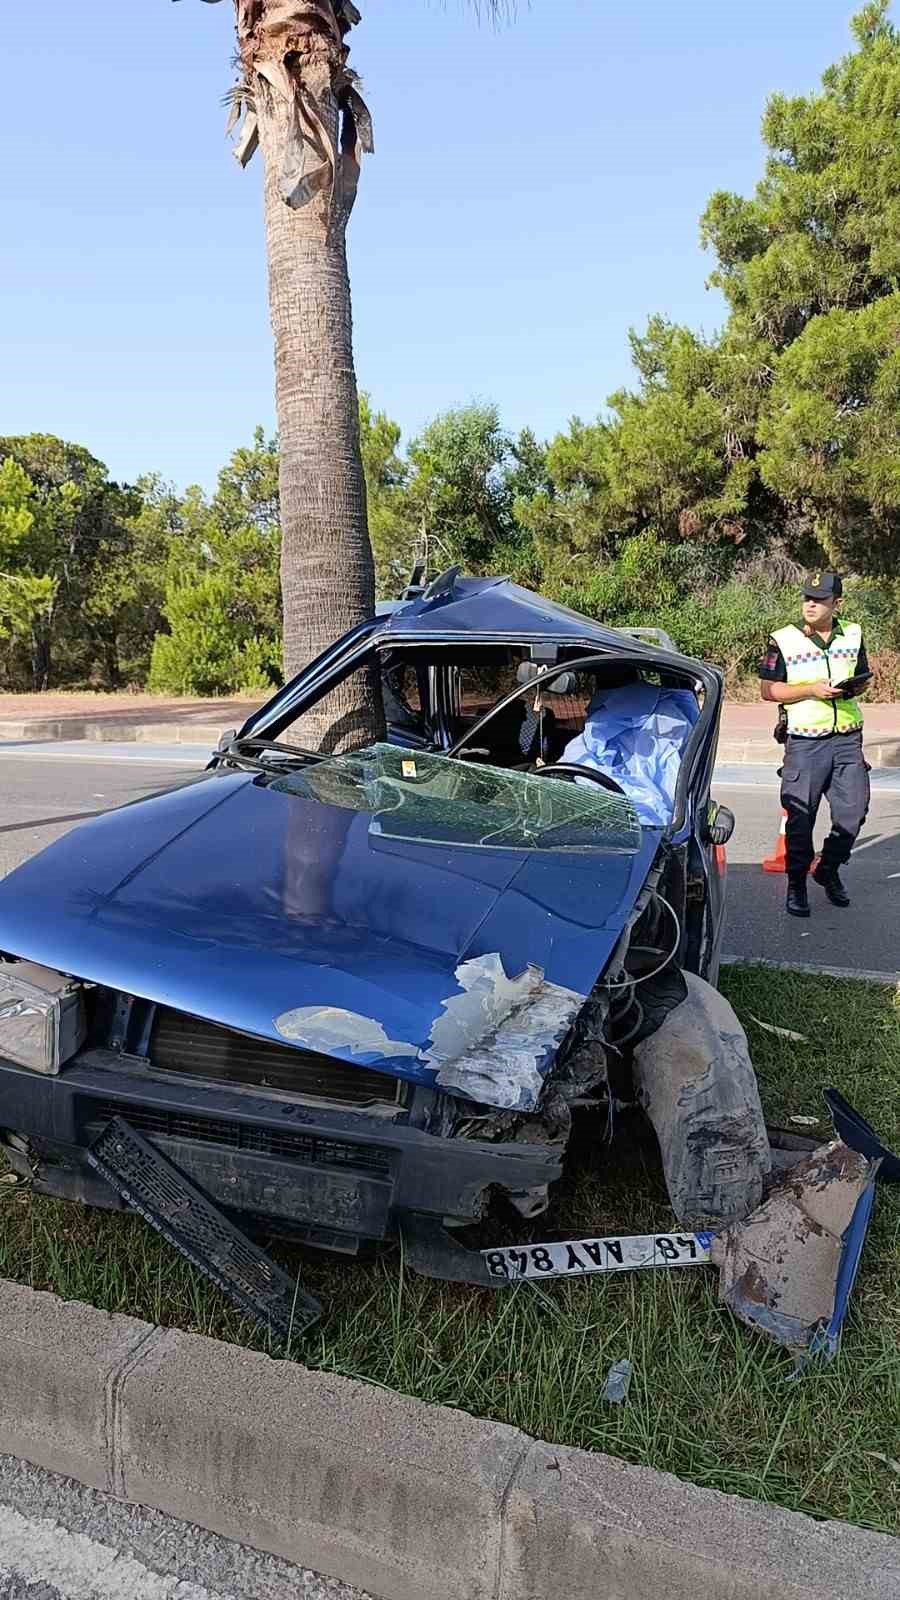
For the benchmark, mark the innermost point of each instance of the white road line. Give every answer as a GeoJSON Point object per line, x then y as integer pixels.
{"type": "Point", "coordinates": [136, 761]}
{"type": "Point", "coordinates": [40, 1551]}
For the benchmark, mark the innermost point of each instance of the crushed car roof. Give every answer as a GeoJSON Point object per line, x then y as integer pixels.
{"type": "Point", "coordinates": [494, 606]}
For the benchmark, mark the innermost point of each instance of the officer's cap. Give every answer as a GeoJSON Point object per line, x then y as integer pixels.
{"type": "Point", "coordinates": [823, 586]}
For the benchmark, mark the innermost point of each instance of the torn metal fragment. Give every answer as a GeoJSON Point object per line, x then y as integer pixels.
{"type": "Point", "coordinates": [789, 1268]}
{"type": "Point", "coordinates": [496, 1039]}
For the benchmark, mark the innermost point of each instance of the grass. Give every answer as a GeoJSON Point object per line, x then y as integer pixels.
{"type": "Point", "coordinates": [709, 1401]}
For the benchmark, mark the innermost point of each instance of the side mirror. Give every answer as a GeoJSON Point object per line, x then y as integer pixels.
{"type": "Point", "coordinates": [721, 824]}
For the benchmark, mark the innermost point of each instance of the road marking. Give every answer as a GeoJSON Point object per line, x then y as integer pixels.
{"type": "Point", "coordinates": [39, 1551]}
{"type": "Point", "coordinates": [155, 756]}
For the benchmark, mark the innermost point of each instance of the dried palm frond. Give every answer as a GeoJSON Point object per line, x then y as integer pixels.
{"type": "Point", "coordinates": [275, 37]}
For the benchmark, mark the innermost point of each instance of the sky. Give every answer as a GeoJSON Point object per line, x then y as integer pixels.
{"type": "Point", "coordinates": [535, 192]}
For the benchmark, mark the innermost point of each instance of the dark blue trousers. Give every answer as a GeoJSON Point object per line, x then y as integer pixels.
{"type": "Point", "coordinates": [833, 767]}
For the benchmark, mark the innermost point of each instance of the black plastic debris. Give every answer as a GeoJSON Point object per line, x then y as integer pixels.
{"type": "Point", "coordinates": [859, 1134]}
{"type": "Point", "coordinates": [183, 1214]}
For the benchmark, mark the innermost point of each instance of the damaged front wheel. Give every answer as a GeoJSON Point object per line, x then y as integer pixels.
{"type": "Point", "coordinates": [696, 1082]}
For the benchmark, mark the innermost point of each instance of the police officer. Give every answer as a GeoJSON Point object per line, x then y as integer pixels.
{"type": "Point", "coordinates": [802, 671]}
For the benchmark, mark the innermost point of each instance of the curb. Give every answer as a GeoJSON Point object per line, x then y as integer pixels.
{"type": "Point", "coordinates": [759, 753]}
{"type": "Point", "coordinates": [406, 1500]}
{"type": "Point", "coordinates": [113, 732]}
{"type": "Point", "coordinates": [857, 974]}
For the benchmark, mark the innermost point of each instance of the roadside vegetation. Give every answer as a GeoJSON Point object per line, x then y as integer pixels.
{"type": "Point", "coordinates": [696, 497]}
{"type": "Point", "coordinates": [709, 1401]}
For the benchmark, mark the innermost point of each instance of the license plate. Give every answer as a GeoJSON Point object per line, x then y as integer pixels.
{"type": "Point", "coordinates": [614, 1253]}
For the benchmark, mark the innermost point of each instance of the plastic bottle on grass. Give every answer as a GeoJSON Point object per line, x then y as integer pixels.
{"type": "Point", "coordinates": [618, 1382]}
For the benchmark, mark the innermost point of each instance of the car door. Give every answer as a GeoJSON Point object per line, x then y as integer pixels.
{"type": "Point", "coordinates": [710, 826]}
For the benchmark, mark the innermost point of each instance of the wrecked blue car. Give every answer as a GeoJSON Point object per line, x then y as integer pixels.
{"type": "Point", "coordinates": [357, 996]}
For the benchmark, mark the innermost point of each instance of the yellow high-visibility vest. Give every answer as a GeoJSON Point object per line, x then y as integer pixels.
{"type": "Point", "coordinates": [807, 662]}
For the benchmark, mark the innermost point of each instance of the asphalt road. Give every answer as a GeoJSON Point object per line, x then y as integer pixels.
{"type": "Point", "coordinates": [61, 1541]}
{"type": "Point", "coordinates": [46, 789]}
{"type": "Point", "coordinates": [866, 936]}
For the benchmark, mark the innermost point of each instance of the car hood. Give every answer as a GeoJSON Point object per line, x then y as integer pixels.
{"type": "Point", "coordinates": [292, 920]}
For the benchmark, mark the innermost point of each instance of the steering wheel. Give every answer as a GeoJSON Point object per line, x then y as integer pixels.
{"type": "Point", "coordinates": [569, 771]}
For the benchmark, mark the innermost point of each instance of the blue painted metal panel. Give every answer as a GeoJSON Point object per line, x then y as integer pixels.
{"type": "Point", "coordinates": [235, 902]}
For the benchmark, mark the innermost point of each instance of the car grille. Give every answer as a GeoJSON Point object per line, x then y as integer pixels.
{"type": "Point", "coordinates": [183, 1044]}
{"type": "Point", "coordinates": [311, 1149]}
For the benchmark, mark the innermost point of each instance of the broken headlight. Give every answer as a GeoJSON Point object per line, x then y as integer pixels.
{"type": "Point", "coordinates": [42, 1021]}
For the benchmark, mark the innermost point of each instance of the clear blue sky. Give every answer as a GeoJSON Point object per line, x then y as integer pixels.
{"type": "Point", "coordinates": [534, 192]}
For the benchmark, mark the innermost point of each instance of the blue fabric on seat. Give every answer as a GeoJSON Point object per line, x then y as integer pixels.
{"type": "Point", "coordinates": [637, 733]}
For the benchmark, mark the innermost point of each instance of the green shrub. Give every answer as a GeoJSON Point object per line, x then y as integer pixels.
{"type": "Point", "coordinates": [717, 605]}
{"type": "Point", "coordinates": [212, 648]}
{"type": "Point", "coordinates": [643, 578]}
{"type": "Point", "coordinates": [875, 604]}
{"type": "Point", "coordinates": [730, 625]}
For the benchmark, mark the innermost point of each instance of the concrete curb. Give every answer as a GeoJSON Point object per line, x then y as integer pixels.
{"type": "Point", "coordinates": [766, 753]}
{"type": "Point", "coordinates": [406, 1500]}
{"type": "Point", "coordinates": [858, 975]}
{"type": "Point", "coordinates": [113, 732]}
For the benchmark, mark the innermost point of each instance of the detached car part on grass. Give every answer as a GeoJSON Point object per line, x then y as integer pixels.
{"type": "Point", "coordinates": [788, 1269]}
{"type": "Point", "coordinates": [357, 997]}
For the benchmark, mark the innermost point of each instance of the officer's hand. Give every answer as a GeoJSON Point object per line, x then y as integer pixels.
{"type": "Point", "coordinates": [825, 690]}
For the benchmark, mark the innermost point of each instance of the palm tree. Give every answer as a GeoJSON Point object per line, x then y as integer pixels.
{"type": "Point", "coordinates": [298, 101]}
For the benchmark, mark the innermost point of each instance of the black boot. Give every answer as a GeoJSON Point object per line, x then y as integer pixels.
{"type": "Point", "coordinates": [797, 904]}
{"type": "Point", "coordinates": [830, 880]}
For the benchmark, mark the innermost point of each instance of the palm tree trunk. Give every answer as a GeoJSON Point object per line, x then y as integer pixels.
{"type": "Point", "coordinates": [327, 572]}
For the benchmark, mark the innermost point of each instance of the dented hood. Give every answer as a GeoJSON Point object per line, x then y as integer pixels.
{"type": "Point", "coordinates": [283, 917]}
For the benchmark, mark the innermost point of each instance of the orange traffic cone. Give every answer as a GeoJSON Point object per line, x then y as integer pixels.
{"type": "Point", "coordinates": [778, 862]}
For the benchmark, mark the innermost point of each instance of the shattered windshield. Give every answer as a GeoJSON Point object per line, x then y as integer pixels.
{"type": "Point", "coordinates": [434, 800]}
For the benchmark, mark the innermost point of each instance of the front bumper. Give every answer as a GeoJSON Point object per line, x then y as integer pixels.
{"type": "Point", "coordinates": [321, 1169]}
